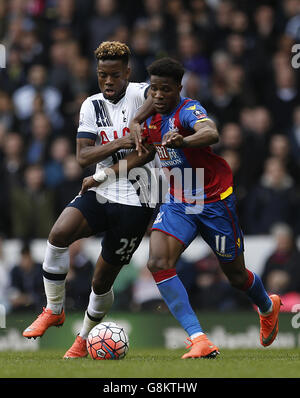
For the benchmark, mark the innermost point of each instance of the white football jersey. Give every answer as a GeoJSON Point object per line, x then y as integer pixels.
{"type": "Point", "coordinates": [104, 122]}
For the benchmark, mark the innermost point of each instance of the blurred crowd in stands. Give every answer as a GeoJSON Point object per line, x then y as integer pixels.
{"type": "Point", "coordinates": [238, 61]}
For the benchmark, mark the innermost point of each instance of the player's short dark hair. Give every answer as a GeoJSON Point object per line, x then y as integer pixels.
{"type": "Point", "coordinates": [167, 67]}
{"type": "Point", "coordinates": [113, 50]}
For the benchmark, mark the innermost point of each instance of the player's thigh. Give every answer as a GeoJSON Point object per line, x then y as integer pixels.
{"type": "Point", "coordinates": [70, 226]}
{"type": "Point", "coordinates": [127, 227]}
{"type": "Point", "coordinates": [219, 227]}
{"type": "Point", "coordinates": [164, 251]}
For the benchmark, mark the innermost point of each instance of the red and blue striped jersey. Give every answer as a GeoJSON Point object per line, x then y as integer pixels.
{"type": "Point", "coordinates": [217, 180]}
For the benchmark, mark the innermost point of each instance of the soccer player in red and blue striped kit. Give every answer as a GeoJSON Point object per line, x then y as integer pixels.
{"type": "Point", "coordinates": [182, 134]}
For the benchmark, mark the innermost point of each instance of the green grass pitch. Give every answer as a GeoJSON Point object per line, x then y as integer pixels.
{"type": "Point", "coordinates": [154, 363]}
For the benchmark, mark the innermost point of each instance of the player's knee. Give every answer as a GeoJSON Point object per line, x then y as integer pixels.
{"type": "Point", "coordinates": [158, 263]}
{"type": "Point", "coordinates": [58, 236]}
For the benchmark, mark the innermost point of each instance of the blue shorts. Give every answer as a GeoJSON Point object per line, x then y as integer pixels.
{"type": "Point", "coordinates": [123, 226]}
{"type": "Point", "coordinates": [217, 223]}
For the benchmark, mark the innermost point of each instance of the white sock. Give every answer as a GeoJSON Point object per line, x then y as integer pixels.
{"type": "Point", "coordinates": [55, 293]}
{"type": "Point", "coordinates": [55, 269]}
{"type": "Point", "coordinates": [99, 305]}
{"type": "Point", "coordinates": [193, 336]}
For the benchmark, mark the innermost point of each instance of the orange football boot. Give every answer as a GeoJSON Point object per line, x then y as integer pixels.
{"type": "Point", "coordinates": [43, 322]}
{"type": "Point", "coordinates": [78, 349]}
{"type": "Point", "coordinates": [269, 323]}
{"type": "Point", "coordinates": [201, 347]}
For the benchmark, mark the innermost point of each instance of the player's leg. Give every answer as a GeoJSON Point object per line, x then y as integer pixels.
{"type": "Point", "coordinates": [70, 226]}
{"type": "Point", "coordinates": [220, 228]}
{"type": "Point", "coordinates": [102, 296]}
{"type": "Point", "coordinates": [243, 279]}
{"type": "Point", "coordinates": [268, 306]}
{"type": "Point", "coordinates": [165, 250]}
{"type": "Point", "coordinates": [100, 301]}
{"type": "Point", "coordinates": [126, 228]}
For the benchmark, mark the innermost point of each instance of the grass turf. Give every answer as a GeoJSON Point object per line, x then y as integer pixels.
{"type": "Point", "coordinates": [154, 363]}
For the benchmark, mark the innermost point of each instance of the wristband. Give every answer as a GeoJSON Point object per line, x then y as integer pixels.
{"type": "Point", "coordinates": [100, 176]}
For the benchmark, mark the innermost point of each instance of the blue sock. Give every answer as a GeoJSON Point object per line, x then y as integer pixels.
{"type": "Point", "coordinates": [175, 296]}
{"type": "Point", "coordinates": [256, 292]}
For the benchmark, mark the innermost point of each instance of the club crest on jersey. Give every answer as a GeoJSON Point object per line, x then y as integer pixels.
{"type": "Point", "coordinates": [172, 126]}
{"type": "Point", "coordinates": [199, 114]}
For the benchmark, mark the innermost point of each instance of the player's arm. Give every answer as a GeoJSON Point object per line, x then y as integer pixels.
{"type": "Point", "coordinates": [87, 153]}
{"type": "Point", "coordinates": [205, 134]}
{"type": "Point", "coordinates": [143, 113]}
{"type": "Point", "coordinates": [131, 161]}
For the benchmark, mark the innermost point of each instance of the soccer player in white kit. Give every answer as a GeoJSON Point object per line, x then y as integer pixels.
{"type": "Point", "coordinates": [121, 207]}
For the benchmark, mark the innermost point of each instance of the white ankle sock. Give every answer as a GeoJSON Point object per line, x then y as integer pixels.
{"type": "Point", "coordinates": [193, 336]}
{"type": "Point", "coordinates": [98, 307]}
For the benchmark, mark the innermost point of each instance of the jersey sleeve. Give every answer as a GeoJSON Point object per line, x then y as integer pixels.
{"type": "Point", "coordinates": [191, 114]}
{"type": "Point", "coordinates": [87, 124]}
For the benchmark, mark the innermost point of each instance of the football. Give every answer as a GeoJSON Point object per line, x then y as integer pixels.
{"type": "Point", "coordinates": [107, 340]}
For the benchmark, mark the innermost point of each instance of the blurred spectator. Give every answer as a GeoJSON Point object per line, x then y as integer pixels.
{"type": "Point", "coordinates": [32, 206]}
{"type": "Point", "coordinates": [103, 23]}
{"type": "Point", "coordinates": [24, 96]}
{"type": "Point", "coordinates": [257, 126]}
{"type": "Point", "coordinates": [284, 96]}
{"type": "Point", "coordinates": [281, 273]}
{"type": "Point", "coordinates": [211, 289]}
{"type": "Point", "coordinates": [234, 160]}
{"type": "Point", "coordinates": [39, 139]}
{"type": "Point", "coordinates": [7, 114]}
{"type": "Point", "coordinates": [12, 162]}
{"type": "Point", "coordinates": [222, 105]}
{"type": "Point", "coordinates": [192, 86]}
{"type": "Point", "coordinates": [280, 148]}
{"type": "Point", "coordinates": [70, 186]}
{"type": "Point", "coordinates": [231, 137]}
{"type": "Point", "coordinates": [26, 289]}
{"type": "Point", "coordinates": [79, 278]}
{"type": "Point", "coordinates": [12, 165]}
{"type": "Point", "coordinates": [294, 135]}
{"type": "Point", "coordinates": [191, 55]}
{"type": "Point", "coordinates": [59, 73]}
{"type": "Point", "coordinates": [153, 19]}
{"type": "Point", "coordinates": [274, 199]}
{"type": "Point", "coordinates": [60, 149]}
{"type": "Point", "coordinates": [146, 296]}
{"type": "Point", "coordinates": [142, 55]}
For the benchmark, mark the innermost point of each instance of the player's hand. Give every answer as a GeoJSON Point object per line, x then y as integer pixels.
{"type": "Point", "coordinates": [127, 142]}
{"type": "Point", "coordinates": [88, 183]}
{"type": "Point", "coordinates": [136, 132]}
{"type": "Point", "coordinates": [173, 140]}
